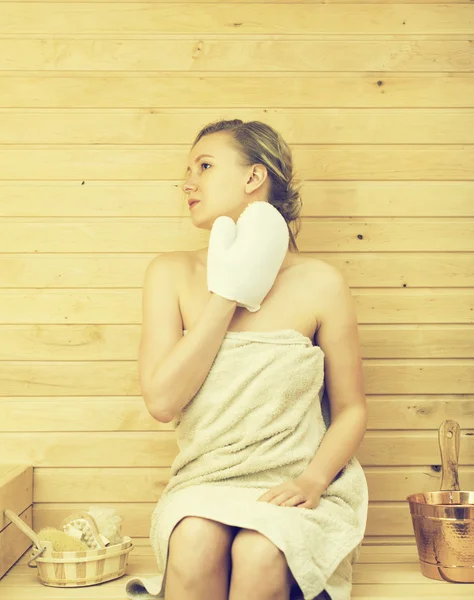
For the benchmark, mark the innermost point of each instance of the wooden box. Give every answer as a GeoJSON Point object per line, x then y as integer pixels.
{"type": "Point", "coordinates": [16, 493]}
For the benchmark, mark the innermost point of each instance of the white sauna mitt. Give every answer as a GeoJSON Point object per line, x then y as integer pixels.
{"type": "Point", "coordinates": [244, 258]}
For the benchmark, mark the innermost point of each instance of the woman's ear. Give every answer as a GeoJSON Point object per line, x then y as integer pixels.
{"type": "Point", "coordinates": [257, 178]}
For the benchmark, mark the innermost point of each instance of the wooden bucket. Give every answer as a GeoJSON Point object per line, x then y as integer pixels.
{"type": "Point", "coordinates": [78, 568]}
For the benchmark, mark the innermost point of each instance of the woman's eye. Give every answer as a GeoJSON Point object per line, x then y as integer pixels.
{"type": "Point", "coordinates": [202, 164]}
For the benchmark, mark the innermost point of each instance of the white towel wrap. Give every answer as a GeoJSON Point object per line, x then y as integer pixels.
{"type": "Point", "coordinates": [258, 420]}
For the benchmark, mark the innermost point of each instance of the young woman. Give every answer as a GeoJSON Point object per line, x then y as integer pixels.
{"type": "Point", "coordinates": [266, 499]}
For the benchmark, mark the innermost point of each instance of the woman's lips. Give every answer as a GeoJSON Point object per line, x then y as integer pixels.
{"type": "Point", "coordinates": [193, 204]}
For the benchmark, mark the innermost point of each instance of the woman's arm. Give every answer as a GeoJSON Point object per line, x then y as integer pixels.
{"type": "Point", "coordinates": [172, 366]}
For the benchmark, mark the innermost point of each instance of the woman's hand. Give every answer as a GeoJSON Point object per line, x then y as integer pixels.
{"type": "Point", "coordinates": [302, 491]}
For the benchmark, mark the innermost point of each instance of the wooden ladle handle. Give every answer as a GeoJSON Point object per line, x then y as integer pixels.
{"type": "Point", "coordinates": [449, 437]}
{"type": "Point", "coordinates": [14, 518]}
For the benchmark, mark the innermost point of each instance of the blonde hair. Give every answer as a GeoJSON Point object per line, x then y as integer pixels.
{"type": "Point", "coordinates": [257, 142]}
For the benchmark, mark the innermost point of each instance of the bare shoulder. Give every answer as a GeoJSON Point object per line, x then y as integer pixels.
{"type": "Point", "coordinates": [325, 283]}
{"type": "Point", "coordinates": [329, 273]}
{"type": "Point", "coordinates": [174, 259]}
{"type": "Point", "coordinates": [321, 275]}
{"type": "Point", "coordinates": [175, 262]}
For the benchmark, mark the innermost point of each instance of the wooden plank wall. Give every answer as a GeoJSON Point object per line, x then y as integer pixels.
{"type": "Point", "coordinates": [99, 103]}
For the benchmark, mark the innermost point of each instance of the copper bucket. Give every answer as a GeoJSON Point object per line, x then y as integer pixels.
{"type": "Point", "coordinates": [444, 521]}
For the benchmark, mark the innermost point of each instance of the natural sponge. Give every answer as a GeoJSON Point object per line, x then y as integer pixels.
{"type": "Point", "coordinates": [61, 541]}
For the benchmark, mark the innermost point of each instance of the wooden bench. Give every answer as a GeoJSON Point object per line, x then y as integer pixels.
{"type": "Point", "coordinates": [385, 571]}
{"type": "Point", "coordinates": [388, 567]}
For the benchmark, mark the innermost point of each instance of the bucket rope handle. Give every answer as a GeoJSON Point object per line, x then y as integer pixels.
{"type": "Point", "coordinates": [33, 558]}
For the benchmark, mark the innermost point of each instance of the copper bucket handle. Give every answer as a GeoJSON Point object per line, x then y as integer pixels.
{"type": "Point", "coordinates": [449, 441]}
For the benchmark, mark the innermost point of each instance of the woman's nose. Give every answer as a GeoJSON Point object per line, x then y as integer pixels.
{"type": "Point", "coordinates": [187, 187]}
{"type": "Point", "coordinates": [186, 181]}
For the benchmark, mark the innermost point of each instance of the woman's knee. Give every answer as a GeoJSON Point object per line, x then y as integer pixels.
{"type": "Point", "coordinates": [200, 546]}
{"type": "Point", "coordinates": [252, 547]}
{"type": "Point", "coordinates": [253, 554]}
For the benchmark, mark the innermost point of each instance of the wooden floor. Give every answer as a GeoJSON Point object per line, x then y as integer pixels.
{"type": "Point", "coordinates": [384, 571]}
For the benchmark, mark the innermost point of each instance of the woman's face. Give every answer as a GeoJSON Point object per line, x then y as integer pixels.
{"type": "Point", "coordinates": [220, 183]}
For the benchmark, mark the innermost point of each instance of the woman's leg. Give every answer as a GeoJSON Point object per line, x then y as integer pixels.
{"type": "Point", "coordinates": [199, 562]}
{"type": "Point", "coordinates": [259, 569]}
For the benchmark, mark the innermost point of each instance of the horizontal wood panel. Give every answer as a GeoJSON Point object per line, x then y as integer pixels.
{"type": "Point", "coordinates": [379, 2]}
{"type": "Point", "coordinates": [409, 591]}
{"type": "Point", "coordinates": [120, 378]}
{"type": "Point", "coordinates": [383, 519]}
{"type": "Point", "coordinates": [166, 199]}
{"type": "Point", "coordinates": [92, 307]}
{"type": "Point", "coordinates": [172, 126]}
{"type": "Point", "coordinates": [152, 449]}
{"type": "Point", "coordinates": [116, 413]}
{"type": "Point", "coordinates": [226, 55]}
{"type": "Point", "coordinates": [135, 484]}
{"type": "Point", "coordinates": [400, 551]}
{"type": "Point", "coordinates": [122, 270]}
{"type": "Point", "coordinates": [233, 18]}
{"type": "Point", "coordinates": [365, 571]}
{"type": "Point", "coordinates": [324, 161]}
{"type": "Point", "coordinates": [168, 234]}
{"type": "Point", "coordinates": [120, 342]}
{"type": "Point", "coordinates": [134, 89]}
{"type": "Point", "coordinates": [376, 549]}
